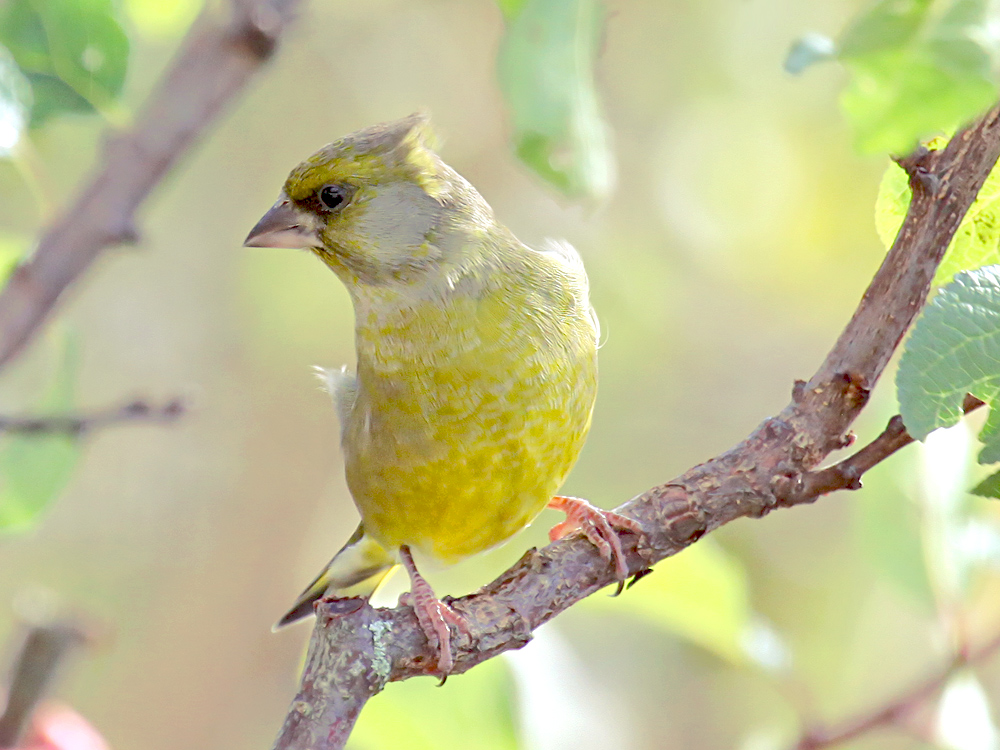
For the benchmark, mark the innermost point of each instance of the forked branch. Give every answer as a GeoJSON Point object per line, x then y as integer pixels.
{"type": "Point", "coordinates": [214, 64]}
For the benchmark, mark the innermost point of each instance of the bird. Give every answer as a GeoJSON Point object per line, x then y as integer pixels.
{"type": "Point", "coordinates": [476, 366]}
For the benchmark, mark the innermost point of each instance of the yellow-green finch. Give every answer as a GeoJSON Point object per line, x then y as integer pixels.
{"type": "Point", "coordinates": [476, 364]}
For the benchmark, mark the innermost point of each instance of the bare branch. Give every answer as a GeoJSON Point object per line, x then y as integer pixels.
{"type": "Point", "coordinates": [76, 424]}
{"type": "Point", "coordinates": [355, 649]}
{"type": "Point", "coordinates": [213, 66]}
{"type": "Point", "coordinates": [46, 646]}
{"type": "Point", "coordinates": [898, 708]}
{"type": "Point", "coordinates": [847, 474]}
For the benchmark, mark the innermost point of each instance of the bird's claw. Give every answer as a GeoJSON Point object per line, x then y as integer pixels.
{"type": "Point", "coordinates": [433, 615]}
{"type": "Point", "coordinates": [599, 526]}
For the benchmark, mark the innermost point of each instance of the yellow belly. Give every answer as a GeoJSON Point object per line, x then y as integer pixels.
{"type": "Point", "coordinates": [458, 447]}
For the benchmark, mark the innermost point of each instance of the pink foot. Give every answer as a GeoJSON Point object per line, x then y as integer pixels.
{"type": "Point", "coordinates": [433, 615]}
{"type": "Point", "coordinates": [598, 526]}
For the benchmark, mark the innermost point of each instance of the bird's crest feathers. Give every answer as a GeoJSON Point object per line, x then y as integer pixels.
{"type": "Point", "coordinates": [398, 149]}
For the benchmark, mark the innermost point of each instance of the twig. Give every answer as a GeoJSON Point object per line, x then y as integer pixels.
{"type": "Point", "coordinates": [214, 64]}
{"type": "Point", "coordinates": [354, 653]}
{"type": "Point", "coordinates": [898, 708]}
{"type": "Point", "coordinates": [77, 424]}
{"type": "Point", "coordinates": [45, 649]}
{"type": "Point", "coordinates": [846, 475]}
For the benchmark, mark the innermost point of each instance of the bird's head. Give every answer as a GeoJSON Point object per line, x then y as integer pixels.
{"type": "Point", "coordinates": [373, 205]}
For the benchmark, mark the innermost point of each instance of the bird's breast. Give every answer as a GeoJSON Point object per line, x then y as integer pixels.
{"type": "Point", "coordinates": [467, 419]}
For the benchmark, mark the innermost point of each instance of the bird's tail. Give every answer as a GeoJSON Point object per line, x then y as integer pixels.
{"type": "Point", "coordinates": [357, 570]}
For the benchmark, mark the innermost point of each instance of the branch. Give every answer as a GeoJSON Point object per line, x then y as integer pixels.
{"type": "Point", "coordinates": [355, 649]}
{"type": "Point", "coordinates": [847, 474]}
{"type": "Point", "coordinates": [76, 424]}
{"type": "Point", "coordinates": [213, 66]}
{"type": "Point", "coordinates": [897, 708]}
{"type": "Point", "coordinates": [45, 648]}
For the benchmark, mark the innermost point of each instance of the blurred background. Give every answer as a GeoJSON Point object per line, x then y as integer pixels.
{"type": "Point", "coordinates": [733, 249]}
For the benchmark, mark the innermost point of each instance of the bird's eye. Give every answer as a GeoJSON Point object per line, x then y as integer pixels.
{"type": "Point", "coordinates": [332, 196]}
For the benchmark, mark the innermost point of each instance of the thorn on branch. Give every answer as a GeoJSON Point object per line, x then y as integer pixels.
{"type": "Point", "coordinates": [917, 166]}
{"type": "Point", "coordinates": [847, 440]}
{"type": "Point", "coordinates": [798, 391]}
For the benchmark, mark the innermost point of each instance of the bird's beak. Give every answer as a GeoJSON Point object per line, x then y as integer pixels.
{"type": "Point", "coordinates": [284, 225]}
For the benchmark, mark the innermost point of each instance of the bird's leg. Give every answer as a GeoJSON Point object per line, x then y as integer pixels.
{"type": "Point", "coordinates": [598, 526]}
{"type": "Point", "coordinates": [433, 615]}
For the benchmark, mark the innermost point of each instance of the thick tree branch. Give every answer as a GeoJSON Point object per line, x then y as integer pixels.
{"type": "Point", "coordinates": [77, 424]}
{"type": "Point", "coordinates": [355, 649]}
{"type": "Point", "coordinates": [214, 64]}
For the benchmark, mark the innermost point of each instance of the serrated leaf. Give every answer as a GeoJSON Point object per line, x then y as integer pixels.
{"type": "Point", "coordinates": [545, 69]}
{"type": "Point", "coordinates": [954, 349]}
{"type": "Point", "coordinates": [976, 242]}
{"type": "Point", "coordinates": [915, 70]}
{"type": "Point", "coordinates": [700, 594]}
{"type": "Point", "coordinates": [15, 102]}
{"type": "Point", "coordinates": [34, 469]}
{"type": "Point", "coordinates": [989, 487]}
{"type": "Point", "coordinates": [74, 52]}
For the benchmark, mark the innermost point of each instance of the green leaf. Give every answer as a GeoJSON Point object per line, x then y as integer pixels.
{"type": "Point", "coordinates": [976, 242]}
{"type": "Point", "coordinates": [15, 102]}
{"type": "Point", "coordinates": [989, 487]}
{"type": "Point", "coordinates": [34, 469]}
{"type": "Point", "coordinates": [74, 52]}
{"type": "Point", "coordinates": [954, 349]}
{"type": "Point", "coordinates": [510, 8]}
{"type": "Point", "coordinates": [476, 714]}
{"type": "Point", "coordinates": [915, 70]}
{"type": "Point", "coordinates": [700, 594]}
{"type": "Point", "coordinates": [545, 70]}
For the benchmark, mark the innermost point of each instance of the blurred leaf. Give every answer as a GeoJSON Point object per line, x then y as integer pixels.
{"type": "Point", "coordinates": [915, 70]}
{"type": "Point", "coordinates": [15, 102]}
{"type": "Point", "coordinates": [989, 487]}
{"type": "Point", "coordinates": [475, 714]}
{"type": "Point", "coordinates": [954, 349]}
{"type": "Point", "coordinates": [34, 469]}
{"type": "Point", "coordinates": [545, 70]}
{"type": "Point", "coordinates": [511, 8]}
{"type": "Point", "coordinates": [74, 52]}
{"type": "Point", "coordinates": [976, 242]}
{"type": "Point", "coordinates": [888, 530]}
{"type": "Point", "coordinates": [700, 594]}
{"type": "Point", "coordinates": [807, 50]}
{"type": "Point", "coordinates": [158, 19]}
